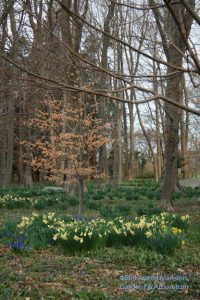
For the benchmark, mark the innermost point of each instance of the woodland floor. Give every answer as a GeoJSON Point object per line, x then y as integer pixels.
{"type": "Point", "coordinates": [49, 274]}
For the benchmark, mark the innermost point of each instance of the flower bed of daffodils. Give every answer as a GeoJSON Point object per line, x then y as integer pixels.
{"type": "Point", "coordinates": [163, 233]}
{"type": "Point", "coordinates": [10, 201]}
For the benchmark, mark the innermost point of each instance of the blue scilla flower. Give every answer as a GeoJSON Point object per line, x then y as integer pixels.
{"type": "Point", "coordinates": [50, 241]}
{"type": "Point", "coordinates": [78, 218]}
{"type": "Point", "coordinates": [19, 244]}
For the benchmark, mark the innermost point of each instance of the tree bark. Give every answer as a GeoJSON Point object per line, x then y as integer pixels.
{"type": "Point", "coordinates": [103, 159]}
{"type": "Point", "coordinates": [81, 198]}
{"type": "Point", "coordinates": [173, 91]}
{"type": "Point", "coordinates": [131, 170]}
{"type": "Point", "coordinates": [176, 30]}
{"type": "Point", "coordinates": [117, 165]}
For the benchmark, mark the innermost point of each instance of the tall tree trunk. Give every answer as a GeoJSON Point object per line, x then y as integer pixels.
{"type": "Point", "coordinates": [148, 141]}
{"type": "Point", "coordinates": [103, 159]}
{"type": "Point", "coordinates": [81, 201]}
{"type": "Point", "coordinates": [184, 126]}
{"type": "Point", "coordinates": [178, 26]}
{"type": "Point", "coordinates": [9, 154]}
{"type": "Point", "coordinates": [158, 144]}
{"type": "Point", "coordinates": [131, 170]}
{"type": "Point", "coordinates": [28, 179]}
{"type": "Point", "coordinates": [117, 165]}
{"type": "Point", "coordinates": [20, 154]}
{"type": "Point", "coordinates": [3, 138]}
{"type": "Point", "coordinates": [158, 139]}
{"type": "Point", "coordinates": [125, 133]}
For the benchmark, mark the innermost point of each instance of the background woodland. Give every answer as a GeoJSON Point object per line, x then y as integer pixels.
{"type": "Point", "coordinates": [99, 90]}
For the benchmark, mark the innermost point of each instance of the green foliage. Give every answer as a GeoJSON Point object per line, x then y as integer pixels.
{"type": "Point", "coordinates": [110, 195]}
{"type": "Point", "coordinates": [94, 294]}
{"type": "Point", "coordinates": [164, 243]}
{"type": "Point", "coordinates": [177, 196]}
{"type": "Point", "coordinates": [72, 200]}
{"type": "Point", "coordinates": [10, 201]}
{"type": "Point", "coordinates": [39, 204]}
{"type": "Point", "coordinates": [132, 195]}
{"type": "Point", "coordinates": [8, 230]}
{"type": "Point", "coordinates": [193, 233]}
{"type": "Point", "coordinates": [178, 221]}
{"type": "Point", "coordinates": [148, 211]}
{"type": "Point", "coordinates": [157, 232]}
{"type": "Point", "coordinates": [90, 188]}
{"type": "Point", "coordinates": [192, 192]}
{"type": "Point", "coordinates": [150, 195]}
{"type": "Point", "coordinates": [38, 234]}
{"type": "Point", "coordinates": [99, 194]}
{"type": "Point", "coordinates": [123, 209]}
{"type": "Point", "coordinates": [93, 205]}
{"type": "Point", "coordinates": [107, 211]}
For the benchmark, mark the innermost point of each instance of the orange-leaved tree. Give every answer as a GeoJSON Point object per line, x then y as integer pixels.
{"type": "Point", "coordinates": [67, 138]}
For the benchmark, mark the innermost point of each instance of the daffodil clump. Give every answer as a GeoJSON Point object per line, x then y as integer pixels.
{"type": "Point", "coordinates": [27, 221]}
{"type": "Point", "coordinates": [11, 201]}
{"type": "Point", "coordinates": [165, 232]}
{"type": "Point", "coordinates": [160, 233]}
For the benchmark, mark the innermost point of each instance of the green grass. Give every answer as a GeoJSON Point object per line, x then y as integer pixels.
{"type": "Point", "coordinates": [49, 274]}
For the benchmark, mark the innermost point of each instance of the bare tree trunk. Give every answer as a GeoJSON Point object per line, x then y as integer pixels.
{"type": "Point", "coordinates": [184, 125]}
{"type": "Point", "coordinates": [28, 179]}
{"type": "Point", "coordinates": [20, 155]}
{"type": "Point", "coordinates": [6, 148]}
{"type": "Point", "coordinates": [158, 143]}
{"type": "Point", "coordinates": [131, 170]}
{"type": "Point", "coordinates": [117, 165]}
{"type": "Point", "coordinates": [125, 133]}
{"type": "Point", "coordinates": [9, 152]}
{"type": "Point", "coordinates": [81, 201]}
{"type": "Point", "coordinates": [178, 25]}
{"type": "Point", "coordinates": [158, 139]}
{"type": "Point", "coordinates": [3, 138]}
{"type": "Point", "coordinates": [103, 159]}
{"type": "Point", "coordinates": [148, 141]}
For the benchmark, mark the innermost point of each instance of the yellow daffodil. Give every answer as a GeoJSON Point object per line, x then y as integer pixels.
{"type": "Point", "coordinates": [176, 230]}
{"type": "Point", "coordinates": [182, 243]}
{"type": "Point", "coordinates": [90, 234]}
{"type": "Point", "coordinates": [76, 238]}
{"type": "Point", "coordinates": [163, 214]}
{"type": "Point", "coordinates": [132, 232]}
{"type": "Point", "coordinates": [141, 224]}
{"type": "Point", "coordinates": [186, 217]}
{"type": "Point", "coordinates": [64, 236]}
{"type": "Point", "coordinates": [55, 237]}
{"type": "Point", "coordinates": [148, 234]}
{"type": "Point", "coordinates": [117, 231]}
{"type": "Point", "coordinates": [128, 225]}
